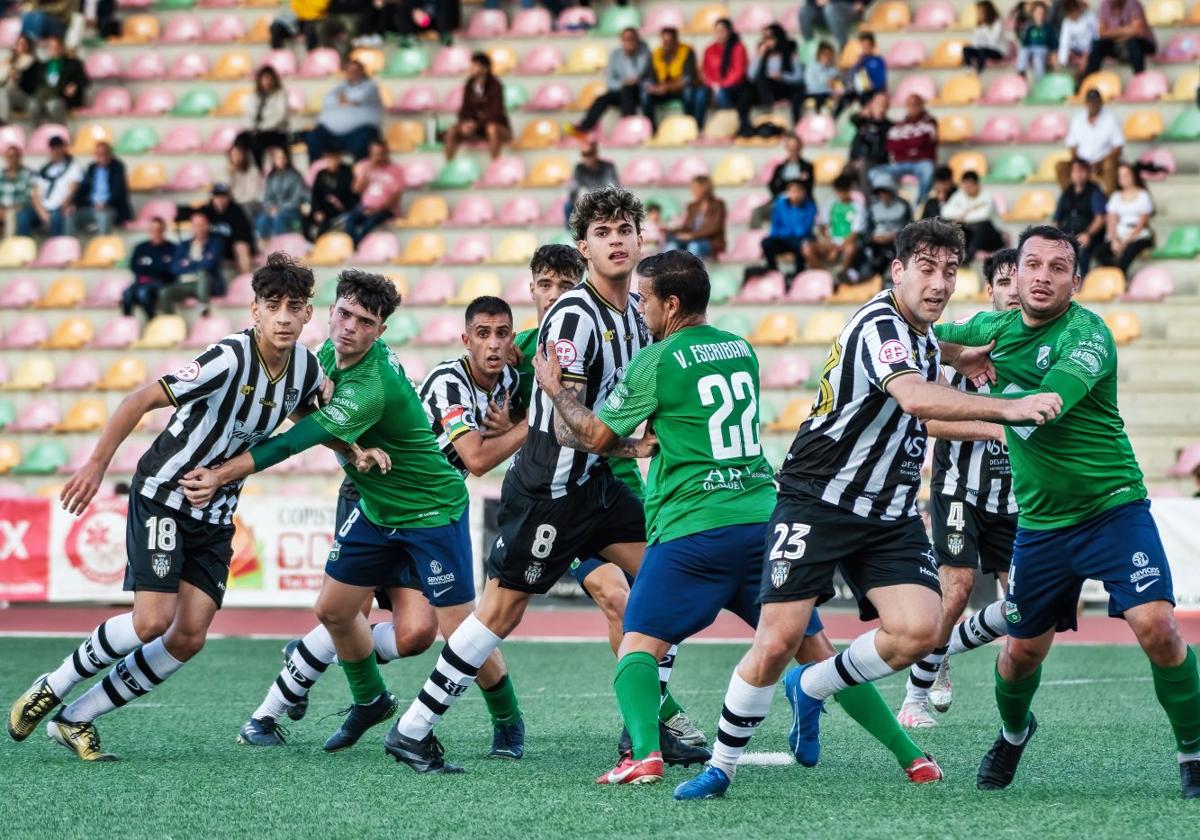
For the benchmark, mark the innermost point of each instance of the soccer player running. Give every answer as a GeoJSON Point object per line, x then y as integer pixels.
{"type": "Point", "coordinates": [459, 396]}
{"type": "Point", "coordinates": [847, 499]}
{"type": "Point", "coordinates": [710, 495]}
{"type": "Point", "coordinates": [236, 392]}
{"type": "Point", "coordinates": [1084, 512]}
{"type": "Point", "coordinates": [409, 521]}
{"type": "Point", "coordinates": [974, 516]}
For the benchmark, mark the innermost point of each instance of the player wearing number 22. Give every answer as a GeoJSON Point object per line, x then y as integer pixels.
{"type": "Point", "coordinates": [236, 392]}
{"type": "Point", "coordinates": [709, 496]}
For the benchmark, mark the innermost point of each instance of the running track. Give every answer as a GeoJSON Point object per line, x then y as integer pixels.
{"type": "Point", "coordinates": [561, 624]}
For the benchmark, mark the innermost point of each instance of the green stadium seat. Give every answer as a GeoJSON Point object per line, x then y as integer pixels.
{"type": "Point", "coordinates": [175, 5]}
{"type": "Point", "coordinates": [407, 63]}
{"type": "Point", "coordinates": [767, 413]}
{"type": "Point", "coordinates": [563, 238]}
{"type": "Point", "coordinates": [734, 322]}
{"type": "Point", "coordinates": [457, 174]}
{"type": "Point", "coordinates": [403, 327]}
{"type": "Point", "coordinates": [137, 140]}
{"type": "Point", "coordinates": [724, 284]}
{"type": "Point", "coordinates": [1011, 168]}
{"type": "Point", "coordinates": [197, 102]}
{"type": "Point", "coordinates": [1186, 126]}
{"type": "Point", "coordinates": [1183, 243]}
{"type": "Point", "coordinates": [668, 203]}
{"type": "Point", "coordinates": [326, 292]}
{"type": "Point", "coordinates": [515, 95]}
{"type": "Point", "coordinates": [45, 458]}
{"type": "Point", "coordinates": [845, 134]}
{"type": "Point", "coordinates": [616, 18]}
{"type": "Point", "coordinates": [8, 413]}
{"type": "Point", "coordinates": [1051, 89]}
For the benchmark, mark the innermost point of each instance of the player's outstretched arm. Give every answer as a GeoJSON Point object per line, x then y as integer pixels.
{"type": "Point", "coordinates": [932, 401]}
{"type": "Point", "coordinates": [480, 455]}
{"type": "Point", "coordinates": [82, 487]}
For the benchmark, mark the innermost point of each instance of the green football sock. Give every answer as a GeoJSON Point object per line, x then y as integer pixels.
{"type": "Point", "coordinates": [366, 683]}
{"type": "Point", "coordinates": [636, 685]}
{"type": "Point", "coordinates": [502, 703]}
{"type": "Point", "coordinates": [669, 706]}
{"type": "Point", "coordinates": [1013, 699]}
{"type": "Point", "coordinates": [1178, 691]}
{"type": "Point", "coordinates": [864, 703]}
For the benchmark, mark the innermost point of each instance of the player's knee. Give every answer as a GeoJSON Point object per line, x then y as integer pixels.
{"type": "Point", "coordinates": [1161, 642]}
{"type": "Point", "coordinates": [184, 644]}
{"type": "Point", "coordinates": [917, 640]}
{"type": "Point", "coordinates": [1018, 660]}
{"type": "Point", "coordinates": [413, 641]}
{"type": "Point", "coordinates": [611, 601]}
{"type": "Point", "coordinates": [149, 625]}
{"type": "Point", "coordinates": [331, 615]}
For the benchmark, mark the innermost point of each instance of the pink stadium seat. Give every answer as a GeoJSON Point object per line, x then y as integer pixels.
{"type": "Point", "coordinates": [10, 28]}
{"type": "Point", "coordinates": [191, 177]}
{"type": "Point", "coordinates": [790, 370]}
{"type": "Point", "coordinates": [170, 364]}
{"type": "Point", "coordinates": [284, 62]}
{"type": "Point", "coordinates": [1050, 127]}
{"type": "Point", "coordinates": [531, 23]}
{"type": "Point", "coordinates": [296, 100]}
{"type": "Point", "coordinates": [1188, 460]}
{"type": "Point", "coordinates": [13, 489]}
{"type": "Point", "coordinates": [451, 61]}
{"type": "Point", "coordinates": [146, 66]}
{"type": "Point", "coordinates": [519, 211]}
{"type": "Point", "coordinates": [660, 17]}
{"type": "Point", "coordinates": [743, 207]}
{"type": "Point", "coordinates": [180, 140]}
{"type": "Point", "coordinates": [472, 211]}
{"type": "Point", "coordinates": [12, 135]}
{"type": "Point", "coordinates": [542, 60]}
{"type": "Point", "coordinates": [322, 62]}
{"type": "Point", "coordinates": [221, 139]}
{"type": "Point", "coordinates": [58, 252]}
{"type": "Point", "coordinates": [240, 292]}
{"type": "Point", "coordinates": [754, 18]}
{"type": "Point", "coordinates": [747, 247]}
{"type": "Point", "coordinates": [118, 333]}
{"type": "Point", "coordinates": [292, 244]}
{"type": "Point", "coordinates": [1149, 86]}
{"type": "Point", "coordinates": [684, 169]}
{"type": "Point", "coordinates": [577, 17]}
{"type": "Point", "coordinates": [377, 248]}
{"type": "Point", "coordinates": [1152, 283]}
{"type": "Point", "coordinates": [81, 373]}
{"type": "Point", "coordinates": [439, 331]}
{"type": "Point", "coordinates": [154, 102]}
{"type": "Point", "coordinates": [816, 129]}
{"type": "Point", "coordinates": [642, 172]}
{"type": "Point", "coordinates": [314, 333]}
{"type": "Point", "coordinates": [763, 176]}
{"type": "Point", "coordinates": [630, 132]}
{"type": "Point", "coordinates": [111, 102]}
{"type": "Point", "coordinates": [453, 101]}
{"type": "Point", "coordinates": [106, 292]}
{"type": "Point", "coordinates": [126, 460]}
{"type": "Point", "coordinates": [934, 17]}
{"type": "Point", "coordinates": [552, 96]}
{"type": "Point", "coordinates": [503, 172]}
{"type": "Point", "coordinates": [163, 208]}
{"type": "Point", "coordinates": [1005, 89]}
{"type": "Point", "coordinates": [922, 85]}
{"type": "Point", "coordinates": [417, 99]}
{"type": "Point", "coordinates": [79, 457]}
{"type": "Point", "coordinates": [487, 23]}
{"type": "Point", "coordinates": [20, 292]}
{"type": "Point", "coordinates": [226, 29]}
{"type": "Point", "coordinates": [766, 288]}
{"type": "Point", "coordinates": [26, 332]}
{"type": "Point", "coordinates": [188, 66]}
{"type": "Point", "coordinates": [3, 371]}
{"type": "Point", "coordinates": [1182, 48]}
{"type": "Point", "coordinates": [470, 248]}
{"type": "Point", "coordinates": [1161, 156]}
{"type": "Point", "coordinates": [414, 366]}
{"type": "Point", "coordinates": [418, 173]}
{"type": "Point", "coordinates": [1002, 128]}
{"type": "Point", "coordinates": [905, 53]}
{"type": "Point", "coordinates": [37, 416]}
{"type": "Point", "coordinates": [516, 292]}
{"type": "Point", "coordinates": [102, 66]}
{"type": "Point", "coordinates": [812, 286]}
{"type": "Point", "coordinates": [183, 29]}
{"type": "Point", "coordinates": [433, 289]}
{"type": "Point", "coordinates": [39, 141]}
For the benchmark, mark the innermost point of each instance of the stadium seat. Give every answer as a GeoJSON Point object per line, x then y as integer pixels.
{"type": "Point", "coordinates": [1011, 168]}
{"type": "Point", "coordinates": [826, 167]}
{"type": "Point", "coordinates": [542, 60]}
{"type": "Point", "coordinates": [889, 16]}
{"type": "Point", "coordinates": [126, 460]}
{"type": "Point", "coordinates": [37, 416]}
{"type": "Point", "coordinates": [439, 331]}
{"type": "Point", "coordinates": [57, 252]}
{"type": "Point", "coordinates": [1052, 89]}
{"type": "Point", "coordinates": [402, 328]}
{"type": "Point", "coordinates": [1181, 48]}
{"type": "Point", "coordinates": [531, 23]}
{"type": "Point", "coordinates": [947, 55]}
{"type": "Point", "coordinates": [39, 140]}
{"type": "Point", "coordinates": [371, 59]}
{"type": "Point", "coordinates": [405, 136]}
{"type": "Point", "coordinates": [377, 248]}
{"type": "Point", "coordinates": [476, 285]}
{"type": "Point", "coordinates": [955, 128]}
{"type": "Point", "coordinates": [616, 18]}
{"type": "Point", "coordinates": [225, 29]}
{"type": "Point", "coordinates": [406, 63]}
{"type": "Point", "coordinates": [1125, 326]}
{"type": "Point", "coordinates": [45, 458]}
{"type": "Point", "coordinates": [188, 66]}
{"type": "Point", "coordinates": [1143, 126]}
{"type": "Point", "coordinates": [137, 140]}
{"type": "Point", "coordinates": [705, 18]}
{"type": "Point", "coordinates": [733, 170]}
{"type": "Point", "coordinates": [585, 60]}
{"type": "Point", "coordinates": [283, 62]}
{"type": "Point", "coordinates": [163, 332]}
{"type": "Point", "coordinates": [792, 417]}
{"type": "Point", "coordinates": [451, 61]}
{"type": "Point", "coordinates": [86, 138]}
{"type": "Point", "coordinates": [233, 66]}
{"type": "Point", "coordinates": [576, 19]}
{"type": "Point", "coordinates": [8, 413]}
{"type": "Point", "coordinates": [191, 177]}
{"type": "Point", "coordinates": [1148, 86]}
{"type": "Point", "coordinates": [816, 129]}
{"type": "Point", "coordinates": [416, 99]}
{"type": "Point", "coordinates": [17, 251]}
{"type": "Point", "coordinates": [677, 130]}
{"type": "Point", "coordinates": [85, 415]}
{"type": "Point", "coordinates": [789, 370]}
{"type": "Point", "coordinates": [110, 102]}
{"type": "Point", "coordinates": [765, 288]}
{"type": "Point", "coordinates": [551, 96]}
{"type": "Point", "coordinates": [684, 169]}
{"type": "Point", "coordinates": [968, 285]}
{"type": "Point", "coordinates": [520, 211]}
{"type": "Point", "coordinates": [423, 249]}
{"type": "Point", "coordinates": [1032, 206]}
{"type": "Point", "coordinates": [139, 29]}
{"type": "Point", "coordinates": [102, 252]}
{"type": "Point", "coordinates": [10, 455]}
{"type": "Point", "coordinates": [105, 293]}
{"type": "Point", "coordinates": [641, 171]}
{"type": "Point", "coordinates": [1107, 82]}
{"type": "Point", "coordinates": [460, 173]}
{"type": "Point", "coordinates": [1183, 243]}
{"type": "Point", "coordinates": [754, 18]}
{"type": "Point", "coordinates": [12, 135]}
{"type": "Point", "coordinates": [659, 17]}
{"type": "Point", "coordinates": [146, 66]}
{"type": "Point", "coordinates": [26, 332]}
{"type": "Point", "coordinates": [66, 292]}
{"type": "Point", "coordinates": [207, 331]}
{"type": "Point", "coordinates": [504, 172]}
{"type": "Point", "coordinates": [315, 333]}
{"type": "Point", "coordinates": [196, 102]}
{"type": "Point", "coordinates": [1006, 89]}
{"type": "Point", "coordinates": [822, 327]}
{"type": "Point", "coordinates": [148, 177]}
{"type": "Point", "coordinates": [723, 284]}
{"type": "Point", "coordinates": [1152, 283]}
{"type": "Point", "coordinates": [80, 374]}
{"type": "Point", "coordinates": [630, 132]}
{"type": "Point", "coordinates": [20, 292]}
{"type": "Point", "coordinates": [1102, 285]}
{"type": "Point", "coordinates": [1047, 128]}
{"type": "Point", "coordinates": [1000, 128]}
{"type": "Point", "coordinates": [1047, 171]}
{"type": "Point", "coordinates": [515, 96]}
{"type": "Point", "coordinates": [747, 247]}
{"type": "Point", "coordinates": [332, 248]}
{"type": "Point", "coordinates": [960, 90]}
{"type": "Point", "coordinates": [487, 23]}
{"type": "Point", "coordinates": [934, 17]}
{"type": "Point", "coordinates": [515, 248]}
{"type": "Point", "coordinates": [473, 211]}
{"type": "Point", "coordinates": [1163, 158]}
{"type": "Point", "coordinates": [293, 244]}
{"type": "Point", "coordinates": [426, 211]}
{"type": "Point", "coordinates": [102, 66]}
{"type": "Point", "coordinates": [435, 288]}
{"type": "Point", "coordinates": [812, 286]}
{"type": "Point", "coordinates": [118, 333]}
{"type": "Point", "coordinates": [32, 373]}
{"type": "Point", "coordinates": [549, 172]}
{"type": "Point", "coordinates": [906, 53]}
{"type": "Point", "coordinates": [1165, 12]}
{"type": "Point", "coordinates": [469, 249]}
{"type": "Point", "coordinates": [1184, 89]}
{"type": "Point", "coordinates": [734, 322]}
{"type": "Point", "coordinates": [919, 84]}
{"type": "Point", "coordinates": [1185, 126]}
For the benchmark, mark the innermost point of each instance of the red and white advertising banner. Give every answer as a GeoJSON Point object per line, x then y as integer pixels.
{"type": "Point", "coordinates": [24, 549]}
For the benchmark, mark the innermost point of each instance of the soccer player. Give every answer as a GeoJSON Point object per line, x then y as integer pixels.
{"type": "Point", "coordinates": [409, 521]}
{"type": "Point", "coordinates": [1084, 512]}
{"type": "Point", "coordinates": [457, 396]}
{"type": "Point", "coordinates": [847, 498]}
{"type": "Point", "coordinates": [558, 502]}
{"type": "Point", "coordinates": [974, 515]}
{"type": "Point", "coordinates": [234, 393]}
{"type": "Point", "coordinates": [711, 493]}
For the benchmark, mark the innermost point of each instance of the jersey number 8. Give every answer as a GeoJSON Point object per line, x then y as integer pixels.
{"type": "Point", "coordinates": [162, 533]}
{"type": "Point", "coordinates": [543, 541]}
{"type": "Point", "coordinates": [743, 437]}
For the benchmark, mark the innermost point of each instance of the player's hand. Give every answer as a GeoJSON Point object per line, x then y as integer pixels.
{"type": "Point", "coordinates": [648, 445]}
{"type": "Point", "coordinates": [199, 486]}
{"type": "Point", "coordinates": [365, 459]}
{"type": "Point", "coordinates": [326, 393]}
{"type": "Point", "coordinates": [82, 487]}
{"type": "Point", "coordinates": [515, 356]}
{"type": "Point", "coordinates": [548, 370]}
{"type": "Point", "coordinates": [1036, 408]}
{"type": "Point", "coordinates": [975, 363]}
{"type": "Point", "coordinates": [497, 421]}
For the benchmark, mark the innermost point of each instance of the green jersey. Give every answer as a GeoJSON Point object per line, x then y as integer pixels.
{"type": "Point", "coordinates": [375, 406]}
{"type": "Point", "coordinates": [1082, 464]}
{"type": "Point", "coordinates": [699, 386]}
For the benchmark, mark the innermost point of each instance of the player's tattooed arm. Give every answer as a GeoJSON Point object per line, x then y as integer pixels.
{"type": "Point", "coordinates": [576, 426]}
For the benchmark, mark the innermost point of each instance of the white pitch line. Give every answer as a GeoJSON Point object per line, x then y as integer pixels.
{"type": "Point", "coordinates": [767, 759]}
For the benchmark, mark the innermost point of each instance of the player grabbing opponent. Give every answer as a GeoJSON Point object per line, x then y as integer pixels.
{"type": "Point", "coordinates": [1084, 512]}
{"type": "Point", "coordinates": [236, 392]}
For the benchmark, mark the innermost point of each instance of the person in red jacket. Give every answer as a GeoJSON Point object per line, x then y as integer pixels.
{"type": "Point", "coordinates": [912, 146]}
{"type": "Point", "coordinates": [723, 69]}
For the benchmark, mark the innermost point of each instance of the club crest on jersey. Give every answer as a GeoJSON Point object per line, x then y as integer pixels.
{"type": "Point", "coordinates": [1140, 560]}
{"type": "Point", "coordinates": [188, 372]}
{"type": "Point", "coordinates": [335, 551]}
{"type": "Point", "coordinates": [1012, 613]}
{"type": "Point", "coordinates": [1043, 357]}
{"type": "Point", "coordinates": [779, 572]}
{"type": "Point", "coordinates": [954, 544]}
{"type": "Point", "coordinates": [566, 352]}
{"type": "Point", "coordinates": [291, 398]}
{"type": "Point", "coordinates": [160, 563]}
{"type": "Point", "coordinates": [533, 572]}
{"type": "Point", "coordinates": [435, 567]}
{"type": "Point", "coordinates": [893, 352]}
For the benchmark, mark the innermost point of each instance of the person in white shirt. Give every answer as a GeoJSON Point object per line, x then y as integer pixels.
{"type": "Point", "coordinates": [53, 190]}
{"type": "Point", "coordinates": [1128, 221]}
{"type": "Point", "coordinates": [975, 209]}
{"type": "Point", "coordinates": [1095, 135]}
{"type": "Point", "coordinates": [987, 42]}
{"type": "Point", "coordinates": [1079, 30]}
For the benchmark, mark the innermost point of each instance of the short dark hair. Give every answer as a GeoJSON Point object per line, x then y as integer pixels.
{"type": "Point", "coordinates": [996, 261]}
{"type": "Point", "coordinates": [283, 277]}
{"type": "Point", "coordinates": [843, 183]}
{"type": "Point", "coordinates": [868, 37]}
{"type": "Point", "coordinates": [373, 292]}
{"type": "Point", "coordinates": [563, 260]}
{"type": "Point", "coordinates": [824, 46]}
{"type": "Point", "coordinates": [970, 175]}
{"type": "Point", "coordinates": [488, 305]}
{"type": "Point", "coordinates": [482, 58]}
{"type": "Point", "coordinates": [57, 142]}
{"type": "Point", "coordinates": [670, 29]}
{"type": "Point", "coordinates": [606, 204]}
{"type": "Point", "coordinates": [943, 173]}
{"type": "Point", "coordinates": [1078, 161]}
{"type": "Point", "coordinates": [1051, 233]}
{"type": "Point", "coordinates": [929, 235]}
{"type": "Point", "coordinates": [797, 182]}
{"type": "Point", "coordinates": [680, 275]}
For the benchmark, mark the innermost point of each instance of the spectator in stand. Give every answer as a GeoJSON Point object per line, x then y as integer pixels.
{"type": "Point", "coordinates": [1124, 34]}
{"type": "Point", "coordinates": [379, 182]}
{"type": "Point", "coordinates": [1128, 220]}
{"type": "Point", "coordinates": [417, 16]}
{"type": "Point", "coordinates": [943, 188]}
{"type": "Point", "coordinates": [672, 76]}
{"type": "Point", "coordinates": [1081, 211]}
{"type": "Point", "coordinates": [868, 149]}
{"type": "Point", "coordinates": [153, 267]}
{"type": "Point", "coordinates": [887, 214]}
{"type": "Point", "coordinates": [244, 179]}
{"type": "Point", "coordinates": [775, 73]}
{"type": "Point", "coordinates": [1079, 30]}
{"type": "Point", "coordinates": [283, 194]}
{"type": "Point", "coordinates": [482, 115]}
{"type": "Point", "coordinates": [351, 116]}
{"type": "Point", "coordinates": [703, 230]}
{"type": "Point", "coordinates": [268, 113]}
{"type": "Point", "coordinates": [912, 146]}
{"type": "Point", "coordinates": [724, 67]}
{"type": "Point", "coordinates": [56, 84]}
{"type": "Point", "coordinates": [867, 77]}
{"type": "Point", "coordinates": [792, 168]}
{"type": "Point", "coordinates": [309, 18]}
{"type": "Point", "coordinates": [48, 18]}
{"type": "Point", "coordinates": [16, 191]}
{"type": "Point", "coordinates": [838, 228]}
{"type": "Point", "coordinates": [1096, 136]}
{"type": "Point", "coordinates": [628, 68]}
{"type": "Point", "coordinates": [333, 196]}
{"type": "Point", "coordinates": [652, 229]}
{"type": "Point", "coordinates": [196, 268]}
{"type": "Point", "coordinates": [837, 16]}
{"type": "Point", "coordinates": [53, 194]}
{"type": "Point", "coordinates": [591, 173]}
{"type": "Point", "coordinates": [102, 197]}
{"type": "Point", "coordinates": [13, 96]}
{"type": "Point", "coordinates": [975, 209]}
{"type": "Point", "coordinates": [1035, 43]}
{"type": "Point", "coordinates": [987, 41]}
{"type": "Point", "coordinates": [793, 218]}
{"type": "Point", "coordinates": [821, 77]}
{"type": "Point", "coordinates": [230, 225]}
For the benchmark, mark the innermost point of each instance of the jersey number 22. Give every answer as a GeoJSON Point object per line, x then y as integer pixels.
{"type": "Point", "coordinates": [743, 436]}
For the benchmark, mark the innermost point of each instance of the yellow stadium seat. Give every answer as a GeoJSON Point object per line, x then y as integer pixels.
{"type": "Point", "coordinates": [426, 211]}
{"type": "Point", "coordinates": [33, 373]}
{"type": "Point", "coordinates": [371, 58]}
{"type": "Point", "coordinates": [722, 125]}
{"type": "Point", "coordinates": [65, 292]}
{"type": "Point", "coordinates": [587, 94]}
{"type": "Point", "coordinates": [966, 161]}
{"type": "Point", "coordinates": [232, 66]}
{"type": "Point", "coordinates": [504, 59]}
{"type": "Point", "coordinates": [1101, 285]}
{"type": "Point", "coordinates": [234, 104]}
{"type": "Point", "coordinates": [793, 415]}
{"type": "Point", "coordinates": [955, 128]}
{"type": "Point", "coordinates": [71, 334]}
{"type": "Point", "coordinates": [1193, 15]}
{"type": "Point", "coordinates": [676, 130]}
{"type": "Point", "coordinates": [332, 248]}
{"type": "Point", "coordinates": [1143, 126]}
{"type": "Point", "coordinates": [1125, 326]}
{"type": "Point", "coordinates": [256, 4]}
{"type": "Point", "coordinates": [1165, 12]}
{"type": "Point", "coordinates": [967, 285]}
{"type": "Point", "coordinates": [543, 133]}
{"type": "Point", "coordinates": [827, 166]}
{"type": "Point", "coordinates": [259, 32]}
{"type": "Point", "coordinates": [399, 282]}
{"type": "Point", "coordinates": [587, 59]}
{"type": "Point", "coordinates": [10, 455]}
{"type": "Point", "coordinates": [405, 135]}
{"type": "Point", "coordinates": [733, 171]}
{"type": "Point", "coordinates": [423, 249]}
{"type": "Point", "coordinates": [162, 333]}
{"type": "Point", "coordinates": [17, 251]}
{"type": "Point", "coordinates": [147, 177]}
{"type": "Point", "coordinates": [967, 18]}
{"type": "Point", "coordinates": [87, 415]}
{"type": "Point", "coordinates": [87, 137]}
{"type": "Point", "coordinates": [947, 55]}
{"type": "Point", "coordinates": [102, 252]}
{"type": "Point", "coordinates": [1185, 86]}
{"type": "Point", "coordinates": [477, 285]}
{"type": "Point", "coordinates": [1047, 171]}
{"type": "Point", "coordinates": [1032, 206]}
{"type": "Point", "coordinates": [857, 293]}
{"type": "Point", "coordinates": [1105, 81]}
{"type": "Point", "coordinates": [705, 19]}
{"type": "Point", "coordinates": [139, 29]}
{"type": "Point", "coordinates": [124, 374]}
{"type": "Point", "coordinates": [549, 172]}
{"type": "Point", "coordinates": [960, 90]}
{"type": "Point", "coordinates": [529, 323]}
{"type": "Point", "coordinates": [776, 329]}
{"type": "Point", "coordinates": [823, 327]}
{"type": "Point", "coordinates": [850, 54]}
{"type": "Point", "coordinates": [516, 248]}
{"type": "Point", "coordinates": [890, 16]}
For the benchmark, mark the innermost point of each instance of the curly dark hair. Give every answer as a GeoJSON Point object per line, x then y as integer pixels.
{"type": "Point", "coordinates": [563, 260]}
{"type": "Point", "coordinates": [605, 204]}
{"type": "Point", "coordinates": [373, 292]}
{"type": "Point", "coordinates": [283, 277]}
{"type": "Point", "coordinates": [927, 236]}
{"type": "Point", "coordinates": [996, 261]}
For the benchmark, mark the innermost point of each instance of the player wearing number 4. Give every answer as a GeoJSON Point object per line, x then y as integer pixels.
{"type": "Point", "coordinates": [236, 392]}
{"type": "Point", "coordinates": [709, 497]}
{"type": "Point", "coordinates": [847, 499]}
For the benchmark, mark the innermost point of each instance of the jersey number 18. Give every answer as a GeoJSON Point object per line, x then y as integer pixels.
{"type": "Point", "coordinates": [743, 436]}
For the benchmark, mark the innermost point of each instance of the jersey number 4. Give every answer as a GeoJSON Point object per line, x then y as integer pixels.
{"type": "Point", "coordinates": [956, 519]}
{"type": "Point", "coordinates": [725, 393]}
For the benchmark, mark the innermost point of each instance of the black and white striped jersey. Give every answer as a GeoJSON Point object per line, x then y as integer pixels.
{"type": "Point", "coordinates": [975, 472]}
{"type": "Point", "coordinates": [858, 450]}
{"type": "Point", "coordinates": [456, 404]}
{"type": "Point", "coordinates": [225, 402]}
{"type": "Point", "coordinates": [594, 342]}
